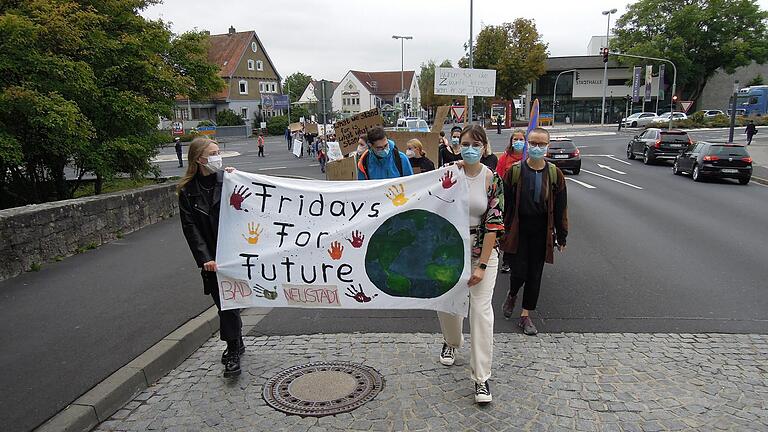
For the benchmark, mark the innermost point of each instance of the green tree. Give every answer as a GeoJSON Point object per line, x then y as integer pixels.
{"type": "Point", "coordinates": [276, 125]}
{"type": "Point", "coordinates": [94, 77]}
{"type": "Point", "coordinates": [756, 81]}
{"type": "Point", "coordinates": [698, 36]}
{"type": "Point", "coordinates": [515, 50]}
{"type": "Point", "coordinates": [427, 85]}
{"type": "Point", "coordinates": [296, 83]}
{"type": "Point", "coordinates": [228, 117]}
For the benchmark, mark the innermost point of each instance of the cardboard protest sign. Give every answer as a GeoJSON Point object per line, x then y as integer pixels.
{"type": "Point", "coordinates": [379, 244]}
{"type": "Point", "coordinates": [311, 128]}
{"type": "Point", "coordinates": [348, 130]}
{"type": "Point", "coordinates": [295, 127]}
{"type": "Point", "coordinates": [342, 169]}
{"type": "Point", "coordinates": [430, 141]}
{"type": "Point", "coordinates": [440, 116]}
{"type": "Point", "coordinates": [465, 82]}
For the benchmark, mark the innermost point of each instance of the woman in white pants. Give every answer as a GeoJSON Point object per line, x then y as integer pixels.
{"type": "Point", "coordinates": [486, 209]}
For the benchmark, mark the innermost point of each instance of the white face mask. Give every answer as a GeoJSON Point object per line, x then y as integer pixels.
{"type": "Point", "coordinates": [214, 163]}
{"type": "Point", "coordinates": [361, 149]}
{"type": "Point", "coordinates": [410, 153]}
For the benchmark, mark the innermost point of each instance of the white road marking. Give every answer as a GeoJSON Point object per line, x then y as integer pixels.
{"type": "Point", "coordinates": [271, 168]}
{"type": "Point", "coordinates": [612, 179]}
{"type": "Point", "coordinates": [611, 169]}
{"type": "Point", "coordinates": [586, 185]}
{"type": "Point", "coordinates": [617, 159]}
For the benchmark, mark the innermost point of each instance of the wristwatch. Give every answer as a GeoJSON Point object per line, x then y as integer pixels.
{"type": "Point", "coordinates": [483, 266]}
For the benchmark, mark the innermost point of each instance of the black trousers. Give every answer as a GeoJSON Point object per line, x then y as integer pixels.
{"type": "Point", "coordinates": [527, 265]}
{"type": "Point", "coordinates": [261, 151]}
{"type": "Point", "coordinates": [230, 323]}
{"type": "Point", "coordinates": [181, 160]}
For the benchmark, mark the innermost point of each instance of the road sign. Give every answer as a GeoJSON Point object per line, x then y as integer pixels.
{"type": "Point", "coordinates": [465, 82]}
{"type": "Point", "coordinates": [458, 112]}
{"type": "Point", "coordinates": [686, 105]}
{"type": "Point", "coordinates": [178, 128]}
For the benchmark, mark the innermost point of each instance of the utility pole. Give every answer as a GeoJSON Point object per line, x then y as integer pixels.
{"type": "Point", "coordinates": [554, 94]}
{"type": "Point", "coordinates": [325, 122]}
{"type": "Point", "coordinates": [471, 100]}
{"type": "Point", "coordinates": [402, 67]}
{"type": "Point", "coordinates": [733, 111]}
{"type": "Point", "coordinates": [288, 92]}
{"type": "Point", "coordinates": [605, 62]}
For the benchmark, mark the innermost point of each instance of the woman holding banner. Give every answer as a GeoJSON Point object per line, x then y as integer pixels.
{"type": "Point", "coordinates": [199, 198]}
{"type": "Point", "coordinates": [486, 208]}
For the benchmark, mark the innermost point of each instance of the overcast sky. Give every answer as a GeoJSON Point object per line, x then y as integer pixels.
{"type": "Point", "coordinates": [326, 38]}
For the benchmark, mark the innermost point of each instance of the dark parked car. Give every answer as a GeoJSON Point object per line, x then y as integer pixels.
{"type": "Point", "coordinates": [707, 160]}
{"type": "Point", "coordinates": [564, 154]}
{"type": "Point", "coordinates": [658, 144]}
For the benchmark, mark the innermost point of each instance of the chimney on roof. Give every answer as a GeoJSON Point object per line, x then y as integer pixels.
{"type": "Point", "coordinates": [231, 29]}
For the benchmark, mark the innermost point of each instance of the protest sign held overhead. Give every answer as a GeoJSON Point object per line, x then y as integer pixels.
{"type": "Point", "coordinates": [465, 82]}
{"type": "Point", "coordinates": [381, 244]}
{"type": "Point", "coordinates": [349, 129]}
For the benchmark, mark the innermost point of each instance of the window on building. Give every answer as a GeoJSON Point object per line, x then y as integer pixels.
{"type": "Point", "coordinates": [181, 114]}
{"type": "Point", "coordinates": [251, 65]}
{"type": "Point", "coordinates": [243, 87]}
{"type": "Point", "coordinates": [244, 112]}
{"type": "Point", "coordinates": [273, 88]}
{"type": "Point", "coordinates": [261, 87]}
{"type": "Point", "coordinates": [254, 46]}
{"type": "Point", "coordinates": [613, 82]}
{"type": "Point", "coordinates": [259, 65]}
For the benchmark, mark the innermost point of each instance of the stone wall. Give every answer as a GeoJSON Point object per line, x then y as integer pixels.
{"type": "Point", "coordinates": [36, 234]}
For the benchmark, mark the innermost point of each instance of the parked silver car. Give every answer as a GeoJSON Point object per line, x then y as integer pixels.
{"type": "Point", "coordinates": [640, 119]}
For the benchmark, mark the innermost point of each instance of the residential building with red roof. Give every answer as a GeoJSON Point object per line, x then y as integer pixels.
{"type": "Point", "coordinates": [360, 91]}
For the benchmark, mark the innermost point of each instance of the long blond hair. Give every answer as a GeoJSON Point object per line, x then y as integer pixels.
{"type": "Point", "coordinates": [196, 149]}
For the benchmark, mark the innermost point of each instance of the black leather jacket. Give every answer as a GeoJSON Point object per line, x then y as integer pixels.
{"type": "Point", "coordinates": [199, 220]}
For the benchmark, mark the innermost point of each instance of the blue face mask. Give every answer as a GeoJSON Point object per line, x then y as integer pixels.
{"type": "Point", "coordinates": [518, 145]}
{"type": "Point", "coordinates": [381, 153]}
{"type": "Point", "coordinates": [471, 155]}
{"type": "Point", "coordinates": [537, 153]}
{"type": "Point", "coordinates": [454, 141]}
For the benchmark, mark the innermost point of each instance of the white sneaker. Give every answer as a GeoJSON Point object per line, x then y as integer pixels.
{"type": "Point", "coordinates": [447, 355]}
{"type": "Point", "coordinates": [483, 392]}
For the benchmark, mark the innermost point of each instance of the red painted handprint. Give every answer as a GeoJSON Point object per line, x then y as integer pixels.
{"type": "Point", "coordinates": [358, 295]}
{"type": "Point", "coordinates": [335, 250]}
{"type": "Point", "coordinates": [357, 239]}
{"type": "Point", "coordinates": [448, 180]}
{"type": "Point", "coordinates": [238, 196]}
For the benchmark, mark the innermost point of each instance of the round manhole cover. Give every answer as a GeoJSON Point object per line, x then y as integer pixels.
{"type": "Point", "coordinates": [321, 389]}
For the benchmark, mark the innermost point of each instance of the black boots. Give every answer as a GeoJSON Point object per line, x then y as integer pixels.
{"type": "Point", "coordinates": [231, 358]}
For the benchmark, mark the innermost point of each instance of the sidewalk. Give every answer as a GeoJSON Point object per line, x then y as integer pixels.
{"type": "Point", "coordinates": [558, 382]}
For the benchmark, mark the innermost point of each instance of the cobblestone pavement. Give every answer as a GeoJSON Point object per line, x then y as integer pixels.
{"type": "Point", "coordinates": [557, 382]}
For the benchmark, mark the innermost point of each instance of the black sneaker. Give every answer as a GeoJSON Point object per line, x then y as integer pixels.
{"type": "Point", "coordinates": [483, 392]}
{"type": "Point", "coordinates": [447, 355]}
{"type": "Point", "coordinates": [225, 354]}
{"type": "Point", "coordinates": [232, 366]}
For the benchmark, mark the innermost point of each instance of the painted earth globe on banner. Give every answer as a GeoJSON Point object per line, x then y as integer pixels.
{"type": "Point", "coordinates": [416, 254]}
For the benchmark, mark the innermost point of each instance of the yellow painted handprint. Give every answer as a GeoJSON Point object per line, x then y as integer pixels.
{"type": "Point", "coordinates": [254, 231]}
{"type": "Point", "coordinates": [396, 193]}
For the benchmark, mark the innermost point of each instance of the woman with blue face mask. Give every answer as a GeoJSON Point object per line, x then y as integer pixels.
{"type": "Point", "coordinates": [535, 222]}
{"type": "Point", "coordinates": [512, 155]}
{"type": "Point", "coordinates": [451, 153]}
{"type": "Point", "coordinates": [486, 209]}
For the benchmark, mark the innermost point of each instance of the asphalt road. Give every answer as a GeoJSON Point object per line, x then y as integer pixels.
{"type": "Point", "coordinates": [673, 256]}
{"type": "Point", "coordinates": [647, 252]}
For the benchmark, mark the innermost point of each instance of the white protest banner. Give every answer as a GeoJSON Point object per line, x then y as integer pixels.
{"type": "Point", "coordinates": [297, 145]}
{"type": "Point", "coordinates": [465, 82]}
{"type": "Point", "coordinates": [334, 151]}
{"type": "Point", "coordinates": [379, 244]}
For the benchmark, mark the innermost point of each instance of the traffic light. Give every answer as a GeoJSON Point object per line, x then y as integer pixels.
{"type": "Point", "coordinates": [605, 55]}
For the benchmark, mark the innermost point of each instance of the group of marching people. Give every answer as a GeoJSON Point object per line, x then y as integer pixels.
{"type": "Point", "coordinates": [517, 208]}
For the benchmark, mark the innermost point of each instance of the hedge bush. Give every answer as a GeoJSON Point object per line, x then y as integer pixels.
{"type": "Point", "coordinates": [276, 125]}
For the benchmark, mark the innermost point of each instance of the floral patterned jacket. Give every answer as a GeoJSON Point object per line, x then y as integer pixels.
{"type": "Point", "coordinates": [494, 216]}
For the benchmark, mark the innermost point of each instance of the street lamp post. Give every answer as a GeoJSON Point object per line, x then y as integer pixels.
{"type": "Point", "coordinates": [554, 94]}
{"type": "Point", "coordinates": [605, 64]}
{"type": "Point", "coordinates": [674, 80]}
{"type": "Point", "coordinates": [402, 65]}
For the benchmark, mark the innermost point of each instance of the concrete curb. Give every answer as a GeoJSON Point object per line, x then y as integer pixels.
{"type": "Point", "coordinates": [760, 180]}
{"type": "Point", "coordinates": [108, 396]}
